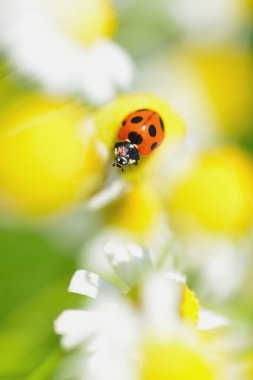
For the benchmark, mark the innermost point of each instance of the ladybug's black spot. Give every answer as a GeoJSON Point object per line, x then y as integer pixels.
{"type": "Point", "coordinates": [162, 125]}
{"type": "Point", "coordinates": [136, 119]}
{"type": "Point", "coordinates": [135, 138]}
{"type": "Point", "coordinates": [153, 146]}
{"type": "Point", "coordinates": [123, 122]}
{"type": "Point", "coordinates": [152, 130]}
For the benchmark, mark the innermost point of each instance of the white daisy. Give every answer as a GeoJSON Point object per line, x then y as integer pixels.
{"type": "Point", "coordinates": [64, 46]}
{"type": "Point", "coordinates": [113, 326]}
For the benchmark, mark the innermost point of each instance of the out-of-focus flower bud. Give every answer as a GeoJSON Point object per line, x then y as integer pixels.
{"type": "Point", "coordinates": [227, 74]}
{"type": "Point", "coordinates": [47, 158]}
{"type": "Point", "coordinates": [215, 194]}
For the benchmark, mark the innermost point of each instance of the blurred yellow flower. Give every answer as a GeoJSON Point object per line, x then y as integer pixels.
{"type": "Point", "coordinates": [83, 20]}
{"type": "Point", "coordinates": [46, 159]}
{"type": "Point", "coordinates": [228, 76]}
{"type": "Point", "coordinates": [175, 360]}
{"type": "Point", "coordinates": [215, 194]}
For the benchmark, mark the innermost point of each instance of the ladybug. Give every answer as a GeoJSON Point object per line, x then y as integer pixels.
{"type": "Point", "coordinates": [141, 132]}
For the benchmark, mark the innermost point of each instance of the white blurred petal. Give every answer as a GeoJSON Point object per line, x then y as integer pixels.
{"type": "Point", "coordinates": [176, 276]}
{"type": "Point", "coordinates": [223, 268]}
{"type": "Point", "coordinates": [212, 20]}
{"type": "Point", "coordinates": [75, 326]}
{"type": "Point", "coordinates": [107, 195]}
{"type": "Point", "coordinates": [42, 51]}
{"type": "Point", "coordinates": [114, 345]}
{"type": "Point", "coordinates": [117, 325]}
{"type": "Point", "coordinates": [90, 284]}
{"type": "Point", "coordinates": [129, 262]}
{"type": "Point", "coordinates": [209, 320]}
{"type": "Point", "coordinates": [114, 57]}
{"type": "Point", "coordinates": [161, 299]}
{"type": "Point", "coordinates": [109, 364]}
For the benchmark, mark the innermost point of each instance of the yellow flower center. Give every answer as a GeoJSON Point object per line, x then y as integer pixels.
{"type": "Point", "coordinates": [189, 307]}
{"type": "Point", "coordinates": [85, 21]}
{"type": "Point", "coordinates": [162, 360]}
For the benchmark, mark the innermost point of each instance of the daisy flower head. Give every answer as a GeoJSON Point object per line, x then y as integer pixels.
{"type": "Point", "coordinates": [66, 46]}
{"type": "Point", "coordinates": [123, 323]}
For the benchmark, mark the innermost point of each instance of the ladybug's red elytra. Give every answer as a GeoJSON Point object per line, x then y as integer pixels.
{"type": "Point", "coordinates": [141, 132]}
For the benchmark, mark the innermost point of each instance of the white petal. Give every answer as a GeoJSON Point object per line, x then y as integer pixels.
{"type": "Point", "coordinates": [129, 262]}
{"type": "Point", "coordinates": [89, 284]}
{"type": "Point", "coordinates": [141, 258]}
{"type": "Point", "coordinates": [75, 326]}
{"type": "Point", "coordinates": [115, 344]}
{"type": "Point", "coordinates": [161, 299]}
{"type": "Point", "coordinates": [116, 62]}
{"type": "Point", "coordinates": [198, 18]}
{"type": "Point", "coordinates": [107, 195]}
{"type": "Point", "coordinates": [41, 50]}
{"type": "Point", "coordinates": [209, 320]}
{"type": "Point", "coordinates": [176, 276]}
{"type": "Point", "coordinates": [109, 364]}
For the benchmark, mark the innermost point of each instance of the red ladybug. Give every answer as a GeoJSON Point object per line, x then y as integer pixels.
{"type": "Point", "coordinates": [141, 132]}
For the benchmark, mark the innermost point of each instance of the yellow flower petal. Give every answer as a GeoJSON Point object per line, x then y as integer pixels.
{"type": "Point", "coordinates": [45, 161]}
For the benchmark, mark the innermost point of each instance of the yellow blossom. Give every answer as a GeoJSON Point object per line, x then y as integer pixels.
{"type": "Point", "coordinates": [226, 73]}
{"type": "Point", "coordinates": [215, 194]}
{"type": "Point", "coordinates": [47, 160]}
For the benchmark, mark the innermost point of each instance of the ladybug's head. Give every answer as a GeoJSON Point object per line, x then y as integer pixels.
{"type": "Point", "coordinates": [121, 161]}
{"type": "Point", "coordinates": [121, 151]}
{"type": "Point", "coordinates": [125, 153]}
